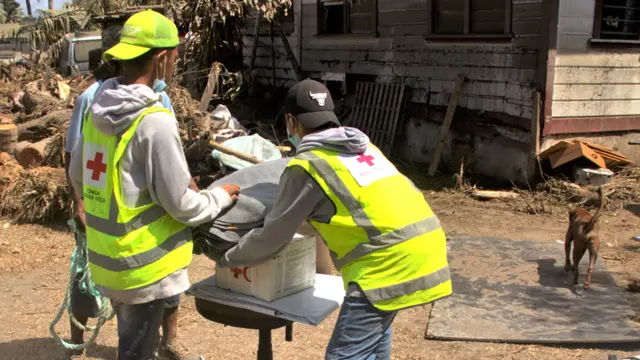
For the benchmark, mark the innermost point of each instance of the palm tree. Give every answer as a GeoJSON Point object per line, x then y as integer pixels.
{"type": "Point", "coordinates": [12, 11]}
{"type": "Point", "coordinates": [28, 4]}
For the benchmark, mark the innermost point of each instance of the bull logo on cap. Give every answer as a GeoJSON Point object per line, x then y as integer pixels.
{"type": "Point", "coordinates": [319, 97]}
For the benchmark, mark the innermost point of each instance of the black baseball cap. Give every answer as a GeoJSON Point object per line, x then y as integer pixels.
{"type": "Point", "coordinates": [311, 103]}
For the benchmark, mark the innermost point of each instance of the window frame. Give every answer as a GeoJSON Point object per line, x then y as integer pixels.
{"type": "Point", "coordinates": [346, 21]}
{"type": "Point", "coordinates": [596, 36]}
{"type": "Point", "coordinates": [467, 34]}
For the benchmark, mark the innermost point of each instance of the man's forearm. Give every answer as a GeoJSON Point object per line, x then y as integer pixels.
{"type": "Point", "coordinates": [75, 196]}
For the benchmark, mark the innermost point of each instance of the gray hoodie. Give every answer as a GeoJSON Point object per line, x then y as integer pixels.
{"type": "Point", "coordinates": [153, 169]}
{"type": "Point", "coordinates": [300, 198]}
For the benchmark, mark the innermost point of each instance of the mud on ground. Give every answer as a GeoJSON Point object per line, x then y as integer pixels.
{"type": "Point", "coordinates": [34, 262]}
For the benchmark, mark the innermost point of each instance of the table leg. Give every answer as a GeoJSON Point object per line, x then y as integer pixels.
{"type": "Point", "coordinates": [265, 349]}
{"type": "Point", "coordinates": [288, 332]}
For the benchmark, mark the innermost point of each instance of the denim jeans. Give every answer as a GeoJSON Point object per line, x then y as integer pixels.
{"type": "Point", "coordinates": [139, 329]}
{"type": "Point", "coordinates": [362, 332]}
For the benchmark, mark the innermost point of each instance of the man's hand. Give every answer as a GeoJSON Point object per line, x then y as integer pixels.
{"type": "Point", "coordinates": [232, 189]}
{"type": "Point", "coordinates": [193, 186]}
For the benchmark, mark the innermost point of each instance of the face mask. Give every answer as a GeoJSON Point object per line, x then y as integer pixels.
{"type": "Point", "coordinates": [294, 140]}
{"type": "Point", "coordinates": [159, 84]}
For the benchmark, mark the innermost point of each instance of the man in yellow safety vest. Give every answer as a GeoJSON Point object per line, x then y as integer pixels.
{"type": "Point", "coordinates": [138, 198]}
{"type": "Point", "coordinates": [384, 238]}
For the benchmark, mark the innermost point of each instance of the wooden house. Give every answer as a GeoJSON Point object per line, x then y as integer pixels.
{"type": "Point", "coordinates": [536, 71]}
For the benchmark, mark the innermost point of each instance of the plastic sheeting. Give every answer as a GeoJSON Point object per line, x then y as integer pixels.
{"type": "Point", "coordinates": [259, 189]}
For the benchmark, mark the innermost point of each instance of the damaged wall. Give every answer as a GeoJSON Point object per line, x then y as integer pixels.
{"type": "Point", "coordinates": [488, 144]}
{"type": "Point", "coordinates": [501, 74]}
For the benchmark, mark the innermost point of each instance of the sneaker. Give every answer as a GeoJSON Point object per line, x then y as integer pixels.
{"type": "Point", "coordinates": [176, 352]}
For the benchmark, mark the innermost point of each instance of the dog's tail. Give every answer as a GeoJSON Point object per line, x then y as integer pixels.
{"type": "Point", "coordinates": [596, 216]}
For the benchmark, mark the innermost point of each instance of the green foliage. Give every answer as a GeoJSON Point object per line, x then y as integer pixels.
{"type": "Point", "coordinates": [11, 11]}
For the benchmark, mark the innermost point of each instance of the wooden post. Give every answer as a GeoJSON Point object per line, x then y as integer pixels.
{"type": "Point", "coordinates": [535, 134]}
{"type": "Point", "coordinates": [256, 38]}
{"type": "Point", "coordinates": [290, 55]}
{"type": "Point", "coordinates": [444, 130]}
{"type": "Point", "coordinates": [273, 54]}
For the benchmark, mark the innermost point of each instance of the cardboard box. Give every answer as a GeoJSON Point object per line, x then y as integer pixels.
{"type": "Point", "coordinates": [293, 270]}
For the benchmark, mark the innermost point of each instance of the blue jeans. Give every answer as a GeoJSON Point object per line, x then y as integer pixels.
{"type": "Point", "coordinates": [139, 329]}
{"type": "Point", "coordinates": [362, 332]}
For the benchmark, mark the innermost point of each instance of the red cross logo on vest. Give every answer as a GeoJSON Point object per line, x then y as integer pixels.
{"type": "Point", "coordinates": [97, 166]}
{"type": "Point", "coordinates": [365, 159]}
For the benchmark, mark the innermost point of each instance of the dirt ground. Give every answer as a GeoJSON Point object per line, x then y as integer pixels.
{"type": "Point", "coordinates": [34, 264]}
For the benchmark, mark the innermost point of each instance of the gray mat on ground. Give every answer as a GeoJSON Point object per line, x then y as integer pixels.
{"type": "Point", "coordinates": [259, 187]}
{"type": "Point", "coordinates": [518, 291]}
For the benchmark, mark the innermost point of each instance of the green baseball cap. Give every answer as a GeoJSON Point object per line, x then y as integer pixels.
{"type": "Point", "coordinates": [142, 32]}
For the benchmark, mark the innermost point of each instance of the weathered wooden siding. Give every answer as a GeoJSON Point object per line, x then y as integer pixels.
{"type": "Point", "coordinates": [264, 65]}
{"type": "Point", "coordinates": [501, 77]}
{"type": "Point", "coordinates": [592, 81]}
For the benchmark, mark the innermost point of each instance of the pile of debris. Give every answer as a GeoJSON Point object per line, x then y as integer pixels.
{"type": "Point", "coordinates": [570, 174]}
{"type": "Point", "coordinates": [36, 106]}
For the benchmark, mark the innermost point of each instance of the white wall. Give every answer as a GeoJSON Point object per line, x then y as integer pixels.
{"type": "Point", "coordinates": [591, 80]}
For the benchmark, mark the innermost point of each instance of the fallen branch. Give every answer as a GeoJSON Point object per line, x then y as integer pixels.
{"type": "Point", "coordinates": [492, 195]}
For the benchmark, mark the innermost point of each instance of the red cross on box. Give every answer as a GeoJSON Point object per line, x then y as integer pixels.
{"type": "Point", "coordinates": [97, 166]}
{"type": "Point", "coordinates": [366, 159]}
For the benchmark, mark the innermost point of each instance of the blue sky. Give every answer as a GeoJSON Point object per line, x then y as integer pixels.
{"type": "Point", "coordinates": [42, 4]}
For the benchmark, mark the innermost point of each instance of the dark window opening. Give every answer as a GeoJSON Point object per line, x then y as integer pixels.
{"type": "Point", "coordinates": [337, 17]}
{"type": "Point", "coordinates": [617, 19]}
{"type": "Point", "coordinates": [471, 17]}
{"type": "Point", "coordinates": [353, 79]}
{"type": "Point", "coordinates": [333, 18]}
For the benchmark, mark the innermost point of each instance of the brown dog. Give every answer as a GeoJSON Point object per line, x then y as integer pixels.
{"type": "Point", "coordinates": [583, 231]}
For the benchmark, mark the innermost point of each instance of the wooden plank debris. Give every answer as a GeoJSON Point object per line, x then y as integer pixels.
{"type": "Point", "coordinates": [610, 157]}
{"type": "Point", "coordinates": [376, 112]}
{"type": "Point", "coordinates": [576, 151]}
{"type": "Point", "coordinates": [444, 130]}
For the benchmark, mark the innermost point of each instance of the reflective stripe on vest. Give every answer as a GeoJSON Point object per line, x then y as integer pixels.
{"type": "Point", "coordinates": [383, 236]}
{"type": "Point", "coordinates": [377, 240]}
{"type": "Point", "coordinates": [128, 247]}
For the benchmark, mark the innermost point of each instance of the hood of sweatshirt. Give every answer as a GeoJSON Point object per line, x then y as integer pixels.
{"type": "Point", "coordinates": [343, 139]}
{"type": "Point", "coordinates": [116, 106]}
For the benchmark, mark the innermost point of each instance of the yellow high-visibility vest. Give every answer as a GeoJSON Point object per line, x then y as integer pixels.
{"type": "Point", "coordinates": [383, 236]}
{"type": "Point", "coordinates": [128, 247]}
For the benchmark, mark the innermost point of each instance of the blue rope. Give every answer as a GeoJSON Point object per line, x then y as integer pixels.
{"type": "Point", "coordinates": [80, 265]}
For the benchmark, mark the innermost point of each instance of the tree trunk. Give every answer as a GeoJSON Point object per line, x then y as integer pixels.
{"type": "Point", "coordinates": [8, 138]}
{"type": "Point", "coordinates": [28, 4]}
{"type": "Point", "coordinates": [51, 6]}
{"type": "Point", "coordinates": [19, 148]}
{"type": "Point", "coordinates": [33, 155]}
{"type": "Point", "coordinates": [43, 127]}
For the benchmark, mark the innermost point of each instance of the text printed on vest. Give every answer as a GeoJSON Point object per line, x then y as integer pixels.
{"type": "Point", "coordinates": [95, 159]}
{"type": "Point", "coordinates": [368, 167]}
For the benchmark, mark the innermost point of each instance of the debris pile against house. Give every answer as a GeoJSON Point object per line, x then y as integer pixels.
{"type": "Point", "coordinates": [588, 165]}
{"type": "Point", "coordinates": [36, 106]}
{"type": "Point", "coordinates": [570, 174]}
